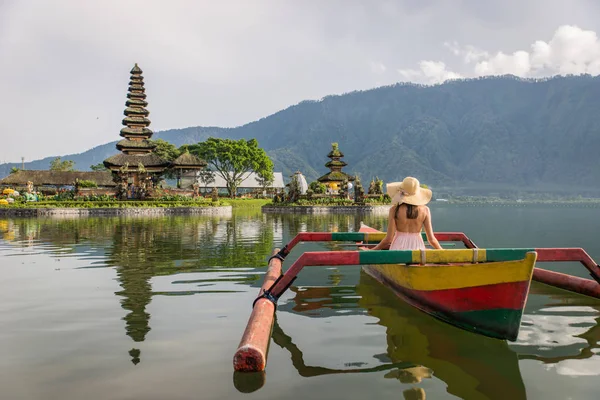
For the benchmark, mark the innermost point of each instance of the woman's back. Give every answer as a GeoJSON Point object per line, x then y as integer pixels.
{"type": "Point", "coordinates": [410, 225]}
{"type": "Point", "coordinates": [408, 217]}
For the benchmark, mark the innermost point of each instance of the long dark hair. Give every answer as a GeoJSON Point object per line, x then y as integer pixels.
{"type": "Point", "coordinates": [412, 212]}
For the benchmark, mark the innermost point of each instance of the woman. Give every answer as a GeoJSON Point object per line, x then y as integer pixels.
{"type": "Point", "coordinates": [408, 216]}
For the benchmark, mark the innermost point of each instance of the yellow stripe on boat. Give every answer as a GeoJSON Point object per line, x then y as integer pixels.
{"type": "Point", "coordinates": [450, 256]}
{"type": "Point", "coordinates": [441, 277]}
{"type": "Point", "coordinates": [374, 236]}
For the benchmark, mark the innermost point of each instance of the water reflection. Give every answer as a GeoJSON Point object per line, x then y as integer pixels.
{"type": "Point", "coordinates": [473, 366]}
{"type": "Point", "coordinates": [206, 256]}
{"type": "Point", "coordinates": [561, 329]}
{"type": "Point", "coordinates": [411, 372]}
{"type": "Point", "coordinates": [143, 248]}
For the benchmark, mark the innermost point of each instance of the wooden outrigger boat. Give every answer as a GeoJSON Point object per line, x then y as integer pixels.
{"type": "Point", "coordinates": [481, 290]}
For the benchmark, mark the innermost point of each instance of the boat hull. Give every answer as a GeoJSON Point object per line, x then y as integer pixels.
{"type": "Point", "coordinates": [485, 297]}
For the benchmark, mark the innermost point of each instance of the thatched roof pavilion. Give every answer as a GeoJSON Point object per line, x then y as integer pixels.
{"type": "Point", "coordinates": [57, 178]}
{"type": "Point", "coordinates": [187, 162]}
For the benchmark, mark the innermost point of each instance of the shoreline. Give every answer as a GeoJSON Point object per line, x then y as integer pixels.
{"type": "Point", "coordinates": [376, 209]}
{"type": "Point", "coordinates": [227, 209]}
{"type": "Point", "coordinates": [552, 203]}
{"type": "Point", "coordinates": [114, 211]}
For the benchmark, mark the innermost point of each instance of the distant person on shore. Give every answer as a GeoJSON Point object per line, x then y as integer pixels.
{"type": "Point", "coordinates": [407, 217]}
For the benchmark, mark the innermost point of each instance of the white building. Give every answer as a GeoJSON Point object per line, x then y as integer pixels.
{"type": "Point", "coordinates": [302, 184]}
{"type": "Point", "coordinates": [250, 183]}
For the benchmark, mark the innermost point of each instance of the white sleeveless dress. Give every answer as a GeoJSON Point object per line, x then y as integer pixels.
{"type": "Point", "coordinates": [407, 241]}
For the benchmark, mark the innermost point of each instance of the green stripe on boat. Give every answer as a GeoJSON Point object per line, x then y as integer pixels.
{"type": "Point", "coordinates": [386, 257]}
{"type": "Point", "coordinates": [501, 323]}
{"type": "Point", "coordinates": [347, 236]}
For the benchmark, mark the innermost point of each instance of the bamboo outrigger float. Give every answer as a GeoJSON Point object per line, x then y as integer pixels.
{"type": "Point", "coordinates": [481, 290]}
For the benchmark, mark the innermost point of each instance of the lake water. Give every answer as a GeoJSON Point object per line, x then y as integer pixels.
{"type": "Point", "coordinates": [154, 308]}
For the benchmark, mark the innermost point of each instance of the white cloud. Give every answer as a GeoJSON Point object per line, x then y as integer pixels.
{"type": "Point", "coordinates": [468, 53]}
{"type": "Point", "coordinates": [501, 64]}
{"type": "Point", "coordinates": [430, 72]}
{"type": "Point", "coordinates": [571, 50]}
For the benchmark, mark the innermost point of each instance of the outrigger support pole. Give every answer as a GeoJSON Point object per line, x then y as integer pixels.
{"type": "Point", "coordinates": [571, 283]}
{"type": "Point", "coordinates": [570, 254]}
{"type": "Point", "coordinates": [251, 354]}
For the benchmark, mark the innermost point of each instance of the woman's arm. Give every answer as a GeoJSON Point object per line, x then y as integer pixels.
{"type": "Point", "coordinates": [391, 231]}
{"type": "Point", "coordinates": [429, 231]}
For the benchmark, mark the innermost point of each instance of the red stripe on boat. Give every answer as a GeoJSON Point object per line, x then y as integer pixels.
{"type": "Point", "coordinates": [332, 258]}
{"type": "Point", "coordinates": [309, 237]}
{"type": "Point", "coordinates": [510, 295]}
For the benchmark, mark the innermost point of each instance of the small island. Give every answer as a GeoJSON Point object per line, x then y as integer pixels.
{"type": "Point", "coordinates": [334, 192]}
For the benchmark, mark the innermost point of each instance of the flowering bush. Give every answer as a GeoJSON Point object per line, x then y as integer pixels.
{"type": "Point", "coordinates": [64, 195]}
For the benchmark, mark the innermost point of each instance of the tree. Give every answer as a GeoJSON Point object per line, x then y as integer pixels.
{"type": "Point", "coordinates": [206, 176]}
{"type": "Point", "coordinates": [265, 182]}
{"type": "Point", "coordinates": [14, 169]}
{"type": "Point", "coordinates": [98, 167]}
{"type": "Point", "coordinates": [234, 160]}
{"type": "Point", "coordinates": [165, 150]}
{"type": "Point", "coordinates": [168, 151]}
{"type": "Point", "coordinates": [58, 165]}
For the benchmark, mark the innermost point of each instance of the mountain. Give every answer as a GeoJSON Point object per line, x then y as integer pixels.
{"type": "Point", "coordinates": [493, 132]}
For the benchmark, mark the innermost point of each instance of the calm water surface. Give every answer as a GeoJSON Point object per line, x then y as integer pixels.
{"type": "Point", "coordinates": [154, 308]}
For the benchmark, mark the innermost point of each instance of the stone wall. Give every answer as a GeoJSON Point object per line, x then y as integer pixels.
{"type": "Point", "coordinates": [384, 209]}
{"type": "Point", "coordinates": [125, 211]}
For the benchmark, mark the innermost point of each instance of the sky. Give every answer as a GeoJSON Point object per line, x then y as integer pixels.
{"type": "Point", "coordinates": [64, 64]}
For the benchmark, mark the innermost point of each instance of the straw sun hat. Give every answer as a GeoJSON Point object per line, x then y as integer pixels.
{"type": "Point", "coordinates": [408, 191]}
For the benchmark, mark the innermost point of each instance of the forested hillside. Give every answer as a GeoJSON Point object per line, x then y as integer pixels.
{"type": "Point", "coordinates": [500, 131]}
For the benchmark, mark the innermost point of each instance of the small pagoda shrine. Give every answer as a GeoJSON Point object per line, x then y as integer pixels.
{"type": "Point", "coordinates": [333, 180]}
{"type": "Point", "coordinates": [136, 165]}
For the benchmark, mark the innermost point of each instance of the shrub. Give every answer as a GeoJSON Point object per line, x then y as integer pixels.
{"type": "Point", "coordinates": [84, 183]}
{"type": "Point", "coordinates": [64, 195]}
{"type": "Point", "coordinates": [325, 201]}
{"type": "Point", "coordinates": [317, 187]}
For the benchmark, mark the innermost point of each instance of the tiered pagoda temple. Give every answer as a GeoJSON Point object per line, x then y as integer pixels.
{"type": "Point", "coordinates": [336, 176]}
{"type": "Point", "coordinates": [136, 149]}
{"type": "Point", "coordinates": [137, 165]}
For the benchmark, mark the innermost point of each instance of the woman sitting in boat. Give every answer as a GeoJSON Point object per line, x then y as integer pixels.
{"type": "Point", "coordinates": [408, 216]}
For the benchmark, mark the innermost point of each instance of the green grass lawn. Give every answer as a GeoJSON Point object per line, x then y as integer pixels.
{"type": "Point", "coordinates": [246, 203]}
